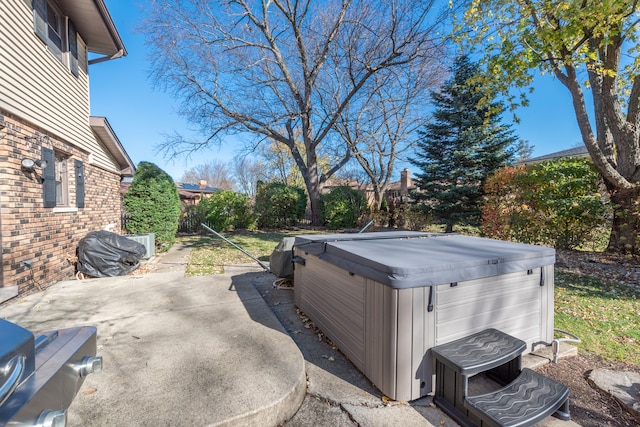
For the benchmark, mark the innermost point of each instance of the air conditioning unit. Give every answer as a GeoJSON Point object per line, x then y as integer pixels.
{"type": "Point", "coordinates": [148, 240]}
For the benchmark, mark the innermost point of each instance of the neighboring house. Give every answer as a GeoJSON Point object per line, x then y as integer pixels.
{"type": "Point", "coordinates": [397, 191]}
{"type": "Point", "coordinates": [334, 183]}
{"type": "Point", "coordinates": [60, 169]}
{"type": "Point", "coordinates": [580, 151]}
{"type": "Point", "coordinates": [400, 190]}
{"type": "Point", "coordinates": [192, 194]}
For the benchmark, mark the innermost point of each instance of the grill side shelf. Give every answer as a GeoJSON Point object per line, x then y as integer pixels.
{"type": "Point", "coordinates": [56, 379]}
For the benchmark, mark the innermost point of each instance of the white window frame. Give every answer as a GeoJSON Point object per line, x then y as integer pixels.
{"type": "Point", "coordinates": [62, 180]}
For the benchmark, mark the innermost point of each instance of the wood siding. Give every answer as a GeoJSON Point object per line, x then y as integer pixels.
{"type": "Point", "coordinates": [37, 87]}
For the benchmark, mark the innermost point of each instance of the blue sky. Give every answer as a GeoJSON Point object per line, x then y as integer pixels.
{"type": "Point", "coordinates": [142, 115]}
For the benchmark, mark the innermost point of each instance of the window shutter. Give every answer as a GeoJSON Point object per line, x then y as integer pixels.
{"type": "Point", "coordinates": [82, 55]}
{"type": "Point", "coordinates": [79, 172]}
{"type": "Point", "coordinates": [72, 36]}
{"type": "Point", "coordinates": [49, 178]}
{"type": "Point", "coordinates": [40, 19]}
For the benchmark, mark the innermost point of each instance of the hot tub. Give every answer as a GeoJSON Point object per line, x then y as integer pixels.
{"type": "Point", "coordinates": [386, 298]}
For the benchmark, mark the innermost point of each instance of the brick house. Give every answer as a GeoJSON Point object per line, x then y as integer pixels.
{"type": "Point", "coordinates": [192, 194]}
{"type": "Point", "coordinates": [60, 169]}
{"type": "Point", "coordinates": [397, 191]}
{"type": "Point", "coordinates": [400, 190]}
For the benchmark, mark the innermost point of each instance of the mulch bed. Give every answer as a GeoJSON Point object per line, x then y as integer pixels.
{"type": "Point", "coordinates": [589, 406]}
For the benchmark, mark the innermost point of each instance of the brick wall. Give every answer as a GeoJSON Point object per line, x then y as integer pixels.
{"type": "Point", "coordinates": [39, 244]}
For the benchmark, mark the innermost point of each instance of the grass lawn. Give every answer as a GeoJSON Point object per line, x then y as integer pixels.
{"type": "Point", "coordinates": [209, 254]}
{"type": "Point", "coordinates": [605, 315]}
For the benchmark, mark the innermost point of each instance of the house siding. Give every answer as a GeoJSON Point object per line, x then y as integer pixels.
{"type": "Point", "coordinates": [36, 87]}
{"type": "Point", "coordinates": [46, 237]}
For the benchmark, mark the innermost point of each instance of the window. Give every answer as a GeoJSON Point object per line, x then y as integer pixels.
{"type": "Point", "coordinates": [56, 178]}
{"type": "Point", "coordinates": [62, 181]}
{"type": "Point", "coordinates": [55, 25]}
{"type": "Point", "coordinates": [59, 34]}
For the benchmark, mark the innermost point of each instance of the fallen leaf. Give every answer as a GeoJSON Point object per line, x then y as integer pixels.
{"type": "Point", "coordinates": [90, 391]}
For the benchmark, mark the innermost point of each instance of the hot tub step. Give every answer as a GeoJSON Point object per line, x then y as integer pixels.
{"type": "Point", "coordinates": [524, 402]}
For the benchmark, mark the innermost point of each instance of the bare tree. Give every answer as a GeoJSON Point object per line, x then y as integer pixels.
{"type": "Point", "coordinates": [248, 172]}
{"type": "Point", "coordinates": [381, 127]}
{"type": "Point", "coordinates": [265, 67]}
{"type": "Point", "coordinates": [216, 174]}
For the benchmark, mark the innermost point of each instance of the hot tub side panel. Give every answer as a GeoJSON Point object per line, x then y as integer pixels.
{"type": "Point", "coordinates": [385, 332]}
{"type": "Point", "coordinates": [381, 333]}
{"type": "Point", "coordinates": [334, 300]}
{"type": "Point", "coordinates": [520, 304]}
{"type": "Point", "coordinates": [398, 333]}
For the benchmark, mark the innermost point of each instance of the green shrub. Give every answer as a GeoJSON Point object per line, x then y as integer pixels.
{"type": "Point", "coordinates": [279, 205]}
{"type": "Point", "coordinates": [555, 203]}
{"type": "Point", "coordinates": [227, 210]}
{"type": "Point", "coordinates": [342, 207]}
{"type": "Point", "coordinates": [413, 217]}
{"type": "Point", "coordinates": [153, 204]}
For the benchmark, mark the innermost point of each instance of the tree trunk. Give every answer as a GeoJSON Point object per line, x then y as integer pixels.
{"type": "Point", "coordinates": [313, 183]}
{"type": "Point", "coordinates": [625, 229]}
{"type": "Point", "coordinates": [314, 205]}
{"type": "Point", "coordinates": [449, 227]}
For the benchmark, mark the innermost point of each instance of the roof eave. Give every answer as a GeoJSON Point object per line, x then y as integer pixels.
{"type": "Point", "coordinates": [96, 27]}
{"type": "Point", "coordinates": [105, 133]}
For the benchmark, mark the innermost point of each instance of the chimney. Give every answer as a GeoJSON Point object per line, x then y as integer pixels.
{"type": "Point", "coordinates": [405, 182]}
{"type": "Point", "coordinates": [202, 184]}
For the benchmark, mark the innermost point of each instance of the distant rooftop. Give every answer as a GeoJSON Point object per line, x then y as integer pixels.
{"type": "Point", "coordinates": [197, 188]}
{"type": "Point", "coordinates": [571, 152]}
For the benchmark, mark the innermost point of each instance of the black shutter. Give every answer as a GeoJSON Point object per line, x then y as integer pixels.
{"type": "Point", "coordinates": [49, 178]}
{"type": "Point", "coordinates": [79, 172]}
{"type": "Point", "coordinates": [40, 19]}
{"type": "Point", "coordinates": [73, 49]}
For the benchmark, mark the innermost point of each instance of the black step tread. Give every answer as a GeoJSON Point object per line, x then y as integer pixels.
{"type": "Point", "coordinates": [479, 352]}
{"type": "Point", "coordinates": [527, 400]}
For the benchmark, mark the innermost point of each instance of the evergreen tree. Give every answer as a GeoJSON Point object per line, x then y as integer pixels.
{"type": "Point", "coordinates": [460, 148]}
{"type": "Point", "coordinates": [153, 204]}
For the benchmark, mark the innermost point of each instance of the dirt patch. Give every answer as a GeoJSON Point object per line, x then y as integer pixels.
{"type": "Point", "coordinates": [589, 406]}
{"type": "Point", "coordinates": [620, 268]}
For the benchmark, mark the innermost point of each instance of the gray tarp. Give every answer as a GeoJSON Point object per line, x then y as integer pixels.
{"type": "Point", "coordinates": [106, 254]}
{"type": "Point", "coordinates": [280, 261]}
{"type": "Point", "coordinates": [413, 259]}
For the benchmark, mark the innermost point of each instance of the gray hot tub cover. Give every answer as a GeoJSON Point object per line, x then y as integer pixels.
{"type": "Point", "coordinates": [414, 259]}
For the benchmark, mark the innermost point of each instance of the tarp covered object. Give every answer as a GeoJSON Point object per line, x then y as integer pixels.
{"type": "Point", "coordinates": [280, 261]}
{"type": "Point", "coordinates": [106, 254]}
